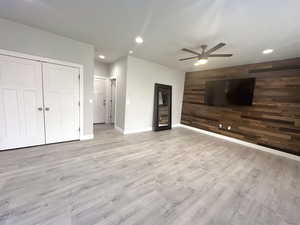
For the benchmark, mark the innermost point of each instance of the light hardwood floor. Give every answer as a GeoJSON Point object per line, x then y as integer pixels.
{"type": "Point", "coordinates": [172, 177]}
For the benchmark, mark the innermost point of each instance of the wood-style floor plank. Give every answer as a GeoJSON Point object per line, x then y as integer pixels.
{"type": "Point", "coordinates": [175, 177]}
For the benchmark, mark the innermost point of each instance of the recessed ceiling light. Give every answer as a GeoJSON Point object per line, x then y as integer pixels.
{"type": "Point", "coordinates": [130, 52]}
{"type": "Point", "coordinates": [139, 40]}
{"type": "Point", "coordinates": [268, 51]}
{"type": "Point", "coordinates": [101, 56]}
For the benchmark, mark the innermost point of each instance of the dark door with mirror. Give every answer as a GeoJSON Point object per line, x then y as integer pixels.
{"type": "Point", "coordinates": [162, 115]}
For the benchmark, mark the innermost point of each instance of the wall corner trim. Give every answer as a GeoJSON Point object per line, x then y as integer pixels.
{"type": "Point", "coordinates": [247, 144]}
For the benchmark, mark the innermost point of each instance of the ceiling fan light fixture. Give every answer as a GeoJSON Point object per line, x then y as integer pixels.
{"type": "Point", "coordinates": [268, 51]}
{"type": "Point", "coordinates": [205, 54]}
{"type": "Point", "coordinates": [202, 61]}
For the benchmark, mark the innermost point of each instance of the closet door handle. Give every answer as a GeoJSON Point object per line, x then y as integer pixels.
{"type": "Point", "coordinates": [47, 109]}
{"type": "Point", "coordinates": [40, 108]}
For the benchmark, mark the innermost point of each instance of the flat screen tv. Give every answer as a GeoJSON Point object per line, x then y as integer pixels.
{"type": "Point", "coordinates": [229, 92]}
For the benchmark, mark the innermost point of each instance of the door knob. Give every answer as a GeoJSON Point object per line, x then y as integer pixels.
{"type": "Point", "coordinates": [47, 109]}
{"type": "Point", "coordinates": [40, 108]}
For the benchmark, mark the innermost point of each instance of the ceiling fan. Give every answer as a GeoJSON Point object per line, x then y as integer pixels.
{"type": "Point", "coordinates": [203, 56]}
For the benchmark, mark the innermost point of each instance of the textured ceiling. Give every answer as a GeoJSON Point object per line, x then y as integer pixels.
{"type": "Point", "coordinates": [247, 27]}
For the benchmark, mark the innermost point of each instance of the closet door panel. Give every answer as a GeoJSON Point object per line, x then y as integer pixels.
{"type": "Point", "coordinates": [61, 99]}
{"type": "Point", "coordinates": [21, 100]}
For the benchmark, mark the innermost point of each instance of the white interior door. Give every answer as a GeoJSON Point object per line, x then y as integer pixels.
{"type": "Point", "coordinates": [21, 103]}
{"type": "Point", "coordinates": [61, 102]}
{"type": "Point", "coordinates": [99, 100]}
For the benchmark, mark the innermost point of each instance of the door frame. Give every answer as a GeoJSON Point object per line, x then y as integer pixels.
{"type": "Point", "coordinates": [62, 63]}
{"type": "Point", "coordinates": [115, 100]}
{"type": "Point", "coordinates": [156, 126]}
{"type": "Point", "coordinates": [114, 77]}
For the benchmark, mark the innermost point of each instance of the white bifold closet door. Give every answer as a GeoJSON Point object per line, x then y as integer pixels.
{"type": "Point", "coordinates": [61, 102]}
{"type": "Point", "coordinates": [39, 103]}
{"type": "Point", "coordinates": [21, 103]}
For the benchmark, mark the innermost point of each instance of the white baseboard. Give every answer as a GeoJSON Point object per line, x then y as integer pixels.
{"type": "Point", "coordinates": [137, 130]}
{"type": "Point", "coordinates": [145, 129]}
{"type": "Point", "coordinates": [87, 137]}
{"type": "Point", "coordinates": [248, 144]}
{"type": "Point", "coordinates": [119, 129]}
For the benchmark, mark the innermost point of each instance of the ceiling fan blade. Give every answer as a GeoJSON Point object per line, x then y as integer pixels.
{"type": "Point", "coordinates": [190, 51]}
{"type": "Point", "coordinates": [194, 57]}
{"type": "Point", "coordinates": [220, 45]}
{"type": "Point", "coordinates": [220, 55]}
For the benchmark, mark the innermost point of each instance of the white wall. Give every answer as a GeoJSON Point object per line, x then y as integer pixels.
{"type": "Point", "coordinates": [25, 39]}
{"type": "Point", "coordinates": [101, 69]}
{"type": "Point", "coordinates": [118, 70]}
{"type": "Point", "coordinates": [141, 77]}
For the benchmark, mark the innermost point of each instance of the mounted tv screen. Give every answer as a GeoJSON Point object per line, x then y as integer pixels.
{"type": "Point", "coordinates": [229, 92]}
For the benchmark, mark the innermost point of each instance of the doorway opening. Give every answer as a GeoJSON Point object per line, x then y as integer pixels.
{"type": "Point", "coordinates": [104, 103]}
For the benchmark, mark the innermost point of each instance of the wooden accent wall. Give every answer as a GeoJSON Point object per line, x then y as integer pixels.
{"type": "Point", "coordinates": [273, 120]}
